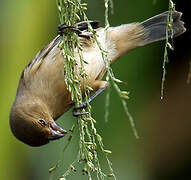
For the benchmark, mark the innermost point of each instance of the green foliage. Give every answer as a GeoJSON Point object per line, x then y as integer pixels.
{"type": "Point", "coordinates": [69, 13]}
{"type": "Point", "coordinates": [89, 140]}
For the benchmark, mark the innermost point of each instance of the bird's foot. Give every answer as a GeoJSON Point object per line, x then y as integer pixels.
{"type": "Point", "coordinates": [75, 111]}
{"type": "Point", "coordinates": [63, 27]}
{"type": "Point", "coordinates": [79, 28]}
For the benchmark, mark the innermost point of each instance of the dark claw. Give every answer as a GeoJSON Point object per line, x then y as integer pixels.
{"type": "Point", "coordinates": [84, 25]}
{"type": "Point", "coordinates": [75, 110]}
{"type": "Point", "coordinates": [84, 104]}
{"type": "Point", "coordinates": [81, 106]}
{"type": "Point", "coordinates": [62, 27]}
{"type": "Point", "coordinates": [77, 114]}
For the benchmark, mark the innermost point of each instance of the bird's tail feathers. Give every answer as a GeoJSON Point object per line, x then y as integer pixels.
{"type": "Point", "coordinates": [130, 36]}
{"type": "Point", "coordinates": [155, 27]}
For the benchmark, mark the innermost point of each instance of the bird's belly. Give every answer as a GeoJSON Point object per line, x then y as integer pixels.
{"type": "Point", "coordinates": [94, 66]}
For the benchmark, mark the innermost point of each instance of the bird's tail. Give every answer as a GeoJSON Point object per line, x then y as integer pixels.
{"type": "Point", "coordinates": [129, 36]}
{"type": "Point", "coordinates": [156, 27]}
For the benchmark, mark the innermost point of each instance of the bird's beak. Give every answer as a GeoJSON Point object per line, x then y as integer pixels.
{"type": "Point", "coordinates": [56, 131]}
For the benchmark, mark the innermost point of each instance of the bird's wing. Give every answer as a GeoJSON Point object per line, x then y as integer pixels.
{"type": "Point", "coordinates": [37, 61]}
{"type": "Point", "coordinates": [50, 53]}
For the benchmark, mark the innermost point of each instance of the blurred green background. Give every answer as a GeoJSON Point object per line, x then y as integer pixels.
{"type": "Point", "coordinates": [26, 26]}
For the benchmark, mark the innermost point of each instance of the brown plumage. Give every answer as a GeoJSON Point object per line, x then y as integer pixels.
{"type": "Point", "coordinates": [42, 95]}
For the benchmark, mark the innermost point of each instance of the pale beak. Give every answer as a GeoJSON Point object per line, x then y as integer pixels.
{"type": "Point", "coordinates": [56, 131]}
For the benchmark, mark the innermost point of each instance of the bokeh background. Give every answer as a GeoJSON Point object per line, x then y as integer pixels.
{"type": "Point", "coordinates": [164, 148]}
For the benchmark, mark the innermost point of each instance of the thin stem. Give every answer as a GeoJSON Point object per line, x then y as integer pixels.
{"type": "Point", "coordinates": [169, 30]}
{"type": "Point", "coordinates": [75, 78]}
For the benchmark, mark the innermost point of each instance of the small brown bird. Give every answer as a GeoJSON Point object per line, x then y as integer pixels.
{"type": "Point", "coordinates": [42, 94]}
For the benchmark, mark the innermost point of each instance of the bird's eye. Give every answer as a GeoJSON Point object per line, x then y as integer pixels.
{"type": "Point", "coordinates": [42, 122]}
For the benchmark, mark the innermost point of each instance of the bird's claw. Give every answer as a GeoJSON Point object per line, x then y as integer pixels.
{"type": "Point", "coordinates": [80, 107]}
{"type": "Point", "coordinates": [63, 27]}
{"type": "Point", "coordinates": [79, 28]}
{"type": "Point", "coordinates": [77, 114]}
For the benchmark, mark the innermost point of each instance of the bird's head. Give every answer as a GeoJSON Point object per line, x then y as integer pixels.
{"type": "Point", "coordinates": [32, 124]}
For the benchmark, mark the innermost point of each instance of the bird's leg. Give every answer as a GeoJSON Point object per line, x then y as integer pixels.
{"type": "Point", "coordinates": [99, 86]}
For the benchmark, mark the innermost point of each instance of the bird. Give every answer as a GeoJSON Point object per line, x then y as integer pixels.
{"type": "Point", "coordinates": [42, 95]}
